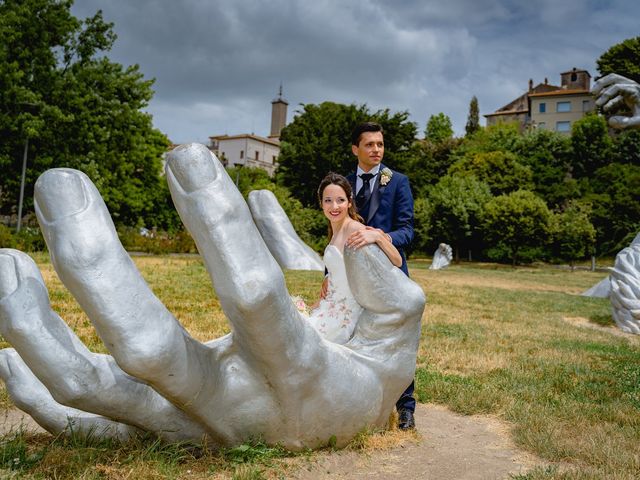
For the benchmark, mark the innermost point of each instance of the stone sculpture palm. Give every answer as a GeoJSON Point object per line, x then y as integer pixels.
{"type": "Point", "coordinates": [273, 377]}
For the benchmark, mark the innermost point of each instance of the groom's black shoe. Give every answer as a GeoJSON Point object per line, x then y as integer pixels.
{"type": "Point", "coordinates": [406, 420]}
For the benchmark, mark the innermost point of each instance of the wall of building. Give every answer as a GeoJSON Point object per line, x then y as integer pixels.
{"type": "Point", "coordinates": [249, 151]}
{"type": "Point", "coordinates": [520, 118]}
{"type": "Point", "coordinates": [551, 119]}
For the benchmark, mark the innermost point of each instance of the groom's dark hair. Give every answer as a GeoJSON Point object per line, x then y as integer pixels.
{"type": "Point", "coordinates": [364, 127]}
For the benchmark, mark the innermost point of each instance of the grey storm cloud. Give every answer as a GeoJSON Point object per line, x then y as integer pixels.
{"type": "Point", "coordinates": [218, 64]}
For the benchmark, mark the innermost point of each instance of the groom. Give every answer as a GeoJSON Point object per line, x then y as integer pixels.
{"type": "Point", "coordinates": [383, 199]}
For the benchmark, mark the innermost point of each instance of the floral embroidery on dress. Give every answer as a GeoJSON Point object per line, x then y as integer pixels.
{"type": "Point", "coordinates": [336, 315]}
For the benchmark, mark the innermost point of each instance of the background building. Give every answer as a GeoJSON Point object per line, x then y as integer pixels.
{"type": "Point", "coordinates": [549, 106]}
{"type": "Point", "coordinates": [248, 149]}
{"type": "Point", "coordinates": [559, 109]}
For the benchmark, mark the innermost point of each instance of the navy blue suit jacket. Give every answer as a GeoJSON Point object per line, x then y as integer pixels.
{"type": "Point", "coordinates": [391, 210]}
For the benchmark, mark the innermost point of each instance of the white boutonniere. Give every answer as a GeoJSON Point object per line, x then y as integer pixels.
{"type": "Point", "coordinates": [385, 176]}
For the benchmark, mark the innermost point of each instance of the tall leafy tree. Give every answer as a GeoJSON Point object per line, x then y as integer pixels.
{"type": "Point", "coordinates": [548, 154]}
{"type": "Point", "coordinates": [438, 129]}
{"type": "Point", "coordinates": [501, 137]}
{"type": "Point", "coordinates": [626, 147]}
{"type": "Point", "coordinates": [516, 222]}
{"type": "Point", "coordinates": [319, 141]}
{"type": "Point", "coordinates": [455, 205]}
{"type": "Point", "coordinates": [500, 170]}
{"type": "Point", "coordinates": [430, 162]}
{"type": "Point", "coordinates": [422, 215]}
{"type": "Point", "coordinates": [473, 119]}
{"type": "Point", "coordinates": [615, 200]}
{"type": "Point", "coordinates": [573, 234]}
{"type": "Point", "coordinates": [78, 109]}
{"type": "Point", "coordinates": [592, 145]}
{"type": "Point", "coordinates": [623, 59]}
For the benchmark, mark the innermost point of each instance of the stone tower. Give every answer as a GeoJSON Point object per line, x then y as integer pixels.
{"type": "Point", "coordinates": [278, 115]}
{"type": "Point", "coordinates": [576, 79]}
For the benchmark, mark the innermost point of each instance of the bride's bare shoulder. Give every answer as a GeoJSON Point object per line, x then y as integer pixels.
{"type": "Point", "coordinates": [354, 226]}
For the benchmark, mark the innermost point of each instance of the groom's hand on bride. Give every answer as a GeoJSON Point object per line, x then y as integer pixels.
{"type": "Point", "coordinates": [365, 236]}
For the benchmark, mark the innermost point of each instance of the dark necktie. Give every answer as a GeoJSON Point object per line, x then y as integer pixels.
{"type": "Point", "coordinates": [365, 191]}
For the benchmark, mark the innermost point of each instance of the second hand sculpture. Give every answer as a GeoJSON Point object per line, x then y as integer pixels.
{"type": "Point", "coordinates": [620, 97]}
{"type": "Point", "coordinates": [273, 377]}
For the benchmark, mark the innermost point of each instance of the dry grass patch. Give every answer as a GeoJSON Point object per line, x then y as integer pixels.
{"type": "Point", "coordinates": [519, 278]}
{"type": "Point", "coordinates": [495, 341]}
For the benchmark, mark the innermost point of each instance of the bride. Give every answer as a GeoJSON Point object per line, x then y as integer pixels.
{"type": "Point", "coordinates": [336, 314]}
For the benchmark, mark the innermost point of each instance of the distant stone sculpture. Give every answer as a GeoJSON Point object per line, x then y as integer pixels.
{"type": "Point", "coordinates": [283, 242]}
{"type": "Point", "coordinates": [441, 257]}
{"type": "Point", "coordinates": [274, 377]}
{"type": "Point", "coordinates": [599, 290]}
{"type": "Point", "coordinates": [625, 288]}
{"type": "Point", "coordinates": [602, 289]}
{"type": "Point", "coordinates": [617, 94]}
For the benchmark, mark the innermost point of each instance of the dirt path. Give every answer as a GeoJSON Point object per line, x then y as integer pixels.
{"type": "Point", "coordinates": [13, 419]}
{"type": "Point", "coordinates": [448, 446]}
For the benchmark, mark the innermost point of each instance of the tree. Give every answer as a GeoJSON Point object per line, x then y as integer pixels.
{"type": "Point", "coordinates": [623, 59]}
{"type": "Point", "coordinates": [455, 205]}
{"type": "Point", "coordinates": [78, 110]}
{"type": "Point", "coordinates": [422, 215]}
{"type": "Point", "coordinates": [573, 234]}
{"type": "Point", "coordinates": [514, 223]}
{"type": "Point", "coordinates": [592, 145]}
{"type": "Point", "coordinates": [504, 137]}
{"type": "Point", "coordinates": [319, 141]}
{"type": "Point", "coordinates": [615, 200]}
{"type": "Point", "coordinates": [438, 128]}
{"type": "Point", "coordinates": [473, 119]}
{"type": "Point", "coordinates": [429, 162]}
{"type": "Point", "coordinates": [548, 154]}
{"type": "Point", "coordinates": [500, 170]}
{"type": "Point", "coordinates": [626, 147]}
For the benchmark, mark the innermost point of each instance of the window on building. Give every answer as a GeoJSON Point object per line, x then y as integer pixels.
{"type": "Point", "coordinates": [543, 107]}
{"type": "Point", "coordinates": [574, 77]}
{"type": "Point", "coordinates": [563, 107]}
{"type": "Point", "coordinates": [563, 126]}
{"type": "Point", "coordinates": [586, 105]}
{"type": "Point", "coordinates": [274, 159]}
{"type": "Point", "coordinates": [542, 125]}
{"type": "Point", "coordinates": [257, 155]}
{"type": "Point", "coordinates": [241, 154]}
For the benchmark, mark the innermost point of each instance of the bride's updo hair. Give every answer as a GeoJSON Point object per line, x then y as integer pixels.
{"type": "Point", "coordinates": [335, 179]}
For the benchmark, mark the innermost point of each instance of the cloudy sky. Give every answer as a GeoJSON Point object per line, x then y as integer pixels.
{"type": "Point", "coordinates": [218, 64]}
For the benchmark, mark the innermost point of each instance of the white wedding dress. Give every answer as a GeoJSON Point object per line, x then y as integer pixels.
{"type": "Point", "coordinates": [337, 314]}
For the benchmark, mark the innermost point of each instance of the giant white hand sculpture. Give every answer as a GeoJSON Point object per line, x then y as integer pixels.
{"type": "Point", "coordinates": [283, 242]}
{"type": "Point", "coordinates": [273, 377]}
{"type": "Point", "coordinates": [614, 91]}
{"type": "Point", "coordinates": [625, 288]}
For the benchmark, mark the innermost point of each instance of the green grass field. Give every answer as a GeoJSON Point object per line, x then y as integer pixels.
{"type": "Point", "coordinates": [520, 344]}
